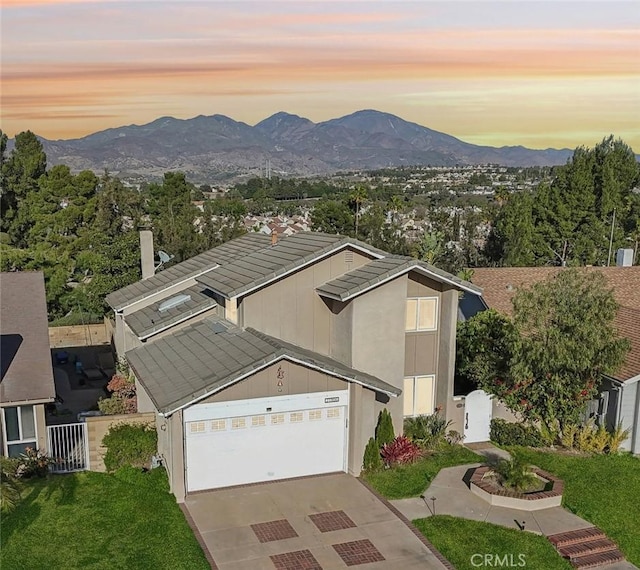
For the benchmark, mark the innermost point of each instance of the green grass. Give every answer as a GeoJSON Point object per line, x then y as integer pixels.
{"type": "Point", "coordinates": [90, 520]}
{"type": "Point", "coordinates": [603, 489]}
{"type": "Point", "coordinates": [465, 543]}
{"type": "Point", "coordinates": [411, 480]}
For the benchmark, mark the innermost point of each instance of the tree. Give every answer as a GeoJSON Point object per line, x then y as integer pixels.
{"type": "Point", "coordinates": [511, 241]}
{"type": "Point", "coordinates": [431, 247]}
{"type": "Point", "coordinates": [567, 341]}
{"type": "Point", "coordinates": [485, 344]}
{"type": "Point", "coordinates": [20, 174]}
{"type": "Point", "coordinates": [569, 221]}
{"type": "Point", "coordinates": [332, 217]}
{"type": "Point", "coordinates": [357, 198]}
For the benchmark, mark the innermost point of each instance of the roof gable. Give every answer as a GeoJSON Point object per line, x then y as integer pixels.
{"type": "Point", "coordinates": [202, 359]}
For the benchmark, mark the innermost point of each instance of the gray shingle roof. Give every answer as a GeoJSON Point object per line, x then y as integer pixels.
{"type": "Point", "coordinates": [377, 271]}
{"type": "Point", "coordinates": [27, 372]}
{"type": "Point", "coordinates": [195, 362]}
{"type": "Point", "coordinates": [261, 266]}
{"type": "Point", "coordinates": [150, 320]}
{"type": "Point", "coordinates": [187, 269]}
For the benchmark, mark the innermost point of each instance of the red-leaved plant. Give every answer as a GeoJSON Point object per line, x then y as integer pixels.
{"type": "Point", "coordinates": [400, 450]}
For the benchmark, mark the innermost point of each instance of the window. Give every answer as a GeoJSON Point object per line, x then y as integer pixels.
{"type": "Point", "coordinates": [333, 413]}
{"type": "Point", "coordinates": [258, 421]}
{"type": "Point", "coordinates": [315, 415]}
{"type": "Point", "coordinates": [295, 417]}
{"type": "Point", "coordinates": [422, 314]}
{"type": "Point", "coordinates": [277, 419]}
{"type": "Point", "coordinates": [19, 429]}
{"type": "Point", "coordinates": [418, 395]}
{"type": "Point", "coordinates": [238, 423]}
{"type": "Point", "coordinates": [218, 425]}
{"type": "Point", "coordinates": [196, 427]}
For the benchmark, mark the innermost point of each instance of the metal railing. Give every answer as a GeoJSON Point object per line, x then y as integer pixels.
{"type": "Point", "coordinates": [68, 444]}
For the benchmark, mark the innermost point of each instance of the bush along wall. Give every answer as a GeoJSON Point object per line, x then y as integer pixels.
{"type": "Point", "coordinates": [129, 444]}
{"type": "Point", "coordinates": [507, 433]}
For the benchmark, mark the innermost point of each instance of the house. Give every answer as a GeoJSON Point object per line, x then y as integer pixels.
{"type": "Point", "coordinates": [619, 400]}
{"type": "Point", "coordinates": [27, 384]}
{"type": "Point", "coordinates": [271, 357]}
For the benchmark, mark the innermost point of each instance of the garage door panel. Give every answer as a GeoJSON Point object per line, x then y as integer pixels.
{"type": "Point", "coordinates": [265, 447]}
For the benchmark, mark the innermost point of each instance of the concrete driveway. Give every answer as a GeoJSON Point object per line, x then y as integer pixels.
{"type": "Point", "coordinates": [325, 522]}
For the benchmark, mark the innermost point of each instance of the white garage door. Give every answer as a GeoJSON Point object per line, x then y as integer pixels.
{"type": "Point", "coordinates": [264, 439]}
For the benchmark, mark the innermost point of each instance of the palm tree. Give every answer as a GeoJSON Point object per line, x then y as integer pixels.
{"type": "Point", "coordinates": [9, 492]}
{"type": "Point", "coordinates": [358, 197]}
{"type": "Point", "coordinates": [396, 204]}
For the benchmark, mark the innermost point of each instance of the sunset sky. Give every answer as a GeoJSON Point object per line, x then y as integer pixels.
{"type": "Point", "coordinates": [541, 74]}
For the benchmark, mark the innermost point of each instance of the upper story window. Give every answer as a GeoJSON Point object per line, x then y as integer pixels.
{"type": "Point", "coordinates": [422, 314]}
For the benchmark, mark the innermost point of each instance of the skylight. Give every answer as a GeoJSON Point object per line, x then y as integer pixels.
{"type": "Point", "coordinates": [174, 302]}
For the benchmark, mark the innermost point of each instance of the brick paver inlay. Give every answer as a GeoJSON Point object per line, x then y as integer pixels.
{"type": "Point", "coordinates": [274, 530]}
{"type": "Point", "coordinates": [358, 552]}
{"type": "Point", "coordinates": [333, 520]}
{"type": "Point", "coordinates": [299, 560]}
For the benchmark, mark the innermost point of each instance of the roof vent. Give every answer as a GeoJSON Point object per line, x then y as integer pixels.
{"type": "Point", "coordinates": [219, 327]}
{"type": "Point", "coordinates": [174, 302]}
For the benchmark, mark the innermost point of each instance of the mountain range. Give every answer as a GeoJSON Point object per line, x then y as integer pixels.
{"type": "Point", "coordinates": [215, 148]}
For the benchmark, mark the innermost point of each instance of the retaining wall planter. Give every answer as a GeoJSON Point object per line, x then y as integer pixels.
{"type": "Point", "coordinates": [500, 497]}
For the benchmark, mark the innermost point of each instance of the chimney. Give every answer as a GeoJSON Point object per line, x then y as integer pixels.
{"type": "Point", "coordinates": [146, 254]}
{"type": "Point", "coordinates": [274, 237]}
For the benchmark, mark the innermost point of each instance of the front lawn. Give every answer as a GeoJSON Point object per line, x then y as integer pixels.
{"type": "Point", "coordinates": [603, 489]}
{"type": "Point", "coordinates": [96, 520]}
{"type": "Point", "coordinates": [469, 545]}
{"type": "Point", "coordinates": [411, 480]}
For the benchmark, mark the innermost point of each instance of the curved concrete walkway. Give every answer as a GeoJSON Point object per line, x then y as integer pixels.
{"type": "Point", "coordinates": [453, 497]}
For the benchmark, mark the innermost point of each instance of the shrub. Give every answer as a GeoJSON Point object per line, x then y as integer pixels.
{"type": "Point", "coordinates": [454, 437]}
{"type": "Point", "coordinates": [33, 463]}
{"type": "Point", "coordinates": [507, 433]}
{"type": "Point", "coordinates": [400, 450]}
{"type": "Point", "coordinates": [428, 431]}
{"type": "Point", "coordinates": [515, 474]}
{"type": "Point", "coordinates": [616, 437]}
{"type": "Point", "coordinates": [9, 485]}
{"type": "Point", "coordinates": [550, 434]}
{"type": "Point", "coordinates": [384, 428]}
{"type": "Point", "coordinates": [372, 460]}
{"type": "Point", "coordinates": [123, 399]}
{"type": "Point", "coordinates": [568, 437]}
{"type": "Point", "coordinates": [129, 444]}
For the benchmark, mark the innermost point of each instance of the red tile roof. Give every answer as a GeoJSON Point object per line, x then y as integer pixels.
{"type": "Point", "coordinates": [500, 284]}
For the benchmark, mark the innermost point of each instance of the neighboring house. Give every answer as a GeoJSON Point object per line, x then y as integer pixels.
{"type": "Point", "coordinates": [269, 358]}
{"type": "Point", "coordinates": [619, 400]}
{"type": "Point", "coordinates": [27, 372]}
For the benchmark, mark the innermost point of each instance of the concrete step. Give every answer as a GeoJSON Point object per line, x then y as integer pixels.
{"type": "Point", "coordinates": [576, 536]}
{"type": "Point", "coordinates": [587, 547]}
{"type": "Point", "coordinates": [601, 559]}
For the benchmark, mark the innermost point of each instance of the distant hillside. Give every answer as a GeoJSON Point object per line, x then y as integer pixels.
{"type": "Point", "coordinates": [216, 147]}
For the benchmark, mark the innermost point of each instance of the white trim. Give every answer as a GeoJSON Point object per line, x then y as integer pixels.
{"type": "Point", "coordinates": [298, 267]}
{"type": "Point", "coordinates": [433, 394]}
{"type": "Point", "coordinates": [394, 276]}
{"type": "Point", "coordinates": [5, 439]}
{"type": "Point", "coordinates": [262, 367]}
{"type": "Point", "coordinates": [164, 328]}
{"type": "Point", "coordinates": [181, 282]}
